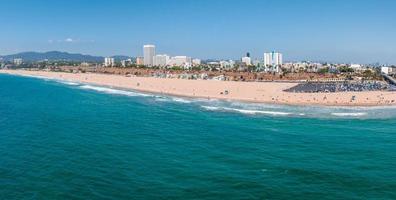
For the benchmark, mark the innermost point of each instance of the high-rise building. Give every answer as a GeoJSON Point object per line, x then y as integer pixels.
{"type": "Point", "coordinates": [149, 53]}
{"type": "Point", "coordinates": [109, 62]}
{"type": "Point", "coordinates": [272, 61]}
{"type": "Point", "coordinates": [161, 60]}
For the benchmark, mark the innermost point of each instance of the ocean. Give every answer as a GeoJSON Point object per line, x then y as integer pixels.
{"type": "Point", "coordinates": [65, 140]}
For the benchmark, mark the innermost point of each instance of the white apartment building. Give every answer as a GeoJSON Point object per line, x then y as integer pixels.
{"type": "Point", "coordinates": [180, 61]}
{"type": "Point", "coordinates": [388, 70]}
{"type": "Point", "coordinates": [247, 61]}
{"type": "Point", "coordinates": [161, 60]}
{"type": "Point", "coordinates": [148, 54]}
{"type": "Point", "coordinates": [196, 62]}
{"type": "Point", "coordinates": [18, 61]}
{"type": "Point", "coordinates": [126, 62]}
{"type": "Point", "coordinates": [356, 67]}
{"type": "Point", "coordinates": [109, 62]}
{"type": "Point", "coordinates": [385, 70]}
{"type": "Point", "coordinates": [227, 64]}
{"type": "Point", "coordinates": [272, 61]}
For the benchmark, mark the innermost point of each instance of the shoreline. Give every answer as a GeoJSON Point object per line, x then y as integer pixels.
{"type": "Point", "coordinates": [253, 92]}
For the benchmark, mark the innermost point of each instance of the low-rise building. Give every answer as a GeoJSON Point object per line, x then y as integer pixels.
{"type": "Point", "coordinates": [388, 70]}
{"type": "Point", "coordinates": [247, 61]}
{"type": "Point", "coordinates": [161, 60]}
{"type": "Point", "coordinates": [356, 67]}
{"type": "Point", "coordinates": [180, 61]}
{"type": "Point", "coordinates": [227, 64]}
{"type": "Point", "coordinates": [84, 64]}
{"type": "Point", "coordinates": [139, 61]}
{"type": "Point", "coordinates": [126, 63]}
{"type": "Point", "coordinates": [196, 62]}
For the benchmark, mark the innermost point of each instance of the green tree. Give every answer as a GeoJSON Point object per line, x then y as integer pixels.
{"type": "Point", "coordinates": [345, 69]}
{"type": "Point", "coordinates": [324, 70]}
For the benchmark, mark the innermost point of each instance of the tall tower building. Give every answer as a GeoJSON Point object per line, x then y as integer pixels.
{"type": "Point", "coordinates": [149, 53]}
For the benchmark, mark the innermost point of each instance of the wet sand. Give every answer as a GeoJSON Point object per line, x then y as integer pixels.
{"type": "Point", "coordinates": [262, 92]}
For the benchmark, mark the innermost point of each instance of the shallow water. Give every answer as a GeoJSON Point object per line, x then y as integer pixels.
{"type": "Point", "coordinates": [65, 140]}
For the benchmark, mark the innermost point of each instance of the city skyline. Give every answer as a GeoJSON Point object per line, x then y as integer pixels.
{"type": "Point", "coordinates": [336, 31]}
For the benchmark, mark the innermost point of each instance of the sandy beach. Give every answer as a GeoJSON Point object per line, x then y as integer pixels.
{"type": "Point", "coordinates": [262, 92]}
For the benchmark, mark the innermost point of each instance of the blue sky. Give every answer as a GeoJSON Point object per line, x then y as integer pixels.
{"type": "Point", "coordinates": [361, 31]}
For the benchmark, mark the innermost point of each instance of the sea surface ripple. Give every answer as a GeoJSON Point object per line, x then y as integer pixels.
{"type": "Point", "coordinates": [66, 140]}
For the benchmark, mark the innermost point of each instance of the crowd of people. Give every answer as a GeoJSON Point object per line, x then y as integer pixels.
{"type": "Point", "coordinates": [346, 86]}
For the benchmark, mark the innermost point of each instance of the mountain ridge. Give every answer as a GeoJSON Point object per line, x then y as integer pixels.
{"type": "Point", "coordinates": [32, 56]}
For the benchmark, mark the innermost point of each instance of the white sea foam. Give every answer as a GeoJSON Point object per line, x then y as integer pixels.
{"type": "Point", "coordinates": [313, 111]}
{"type": "Point", "coordinates": [254, 112]}
{"type": "Point", "coordinates": [180, 100]}
{"type": "Point", "coordinates": [211, 108]}
{"type": "Point", "coordinates": [69, 83]}
{"type": "Point", "coordinates": [206, 100]}
{"type": "Point", "coordinates": [161, 99]}
{"type": "Point", "coordinates": [172, 99]}
{"type": "Point", "coordinates": [37, 76]}
{"type": "Point", "coordinates": [244, 111]}
{"type": "Point", "coordinates": [349, 114]}
{"type": "Point", "coordinates": [113, 91]}
{"type": "Point", "coordinates": [256, 105]}
{"type": "Point", "coordinates": [300, 111]}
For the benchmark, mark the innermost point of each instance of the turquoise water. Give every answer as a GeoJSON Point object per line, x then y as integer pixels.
{"type": "Point", "coordinates": [63, 140]}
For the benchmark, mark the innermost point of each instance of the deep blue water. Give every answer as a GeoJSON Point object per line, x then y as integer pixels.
{"type": "Point", "coordinates": [71, 141]}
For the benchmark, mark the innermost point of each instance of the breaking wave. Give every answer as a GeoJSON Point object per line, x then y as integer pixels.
{"type": "Point", "coordinates": [180, 100]}
{"type": "Point", "coordinates": [249, 112]}
{"type": "Point", "coordinates": [302, 111]}
{"type": "Point", "coordinates": [69, 83]}
{"type": "Point", "coordinates": [349, 114]}
{"type": "Point", "coordinates": [113, 91]}
{"type": "Point", "coordinates": [258, 109]}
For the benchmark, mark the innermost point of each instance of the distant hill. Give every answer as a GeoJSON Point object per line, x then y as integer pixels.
{"type": "Point", "coordinates": [57, 55]}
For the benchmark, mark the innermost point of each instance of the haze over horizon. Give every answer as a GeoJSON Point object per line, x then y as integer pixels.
{"type": "Point", "coordinates": [338, 31]}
